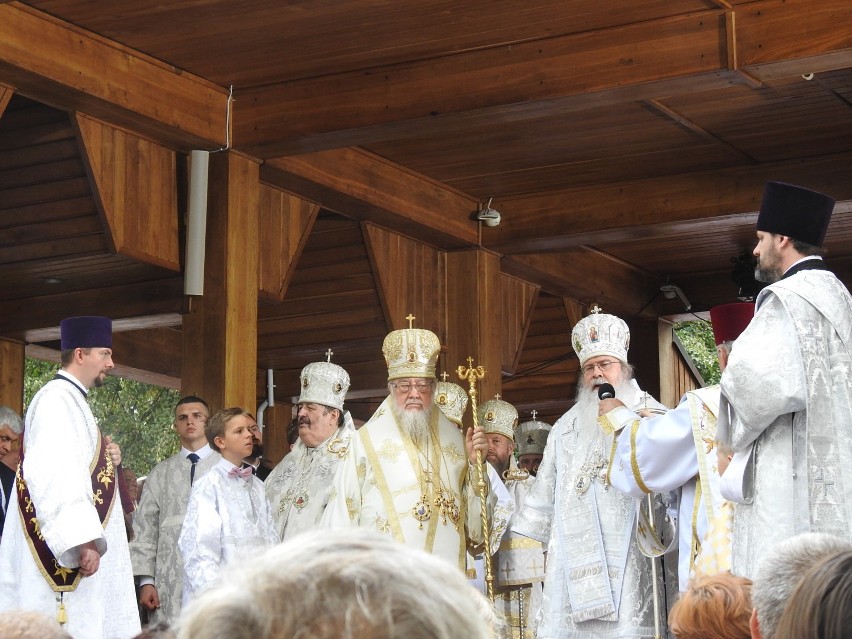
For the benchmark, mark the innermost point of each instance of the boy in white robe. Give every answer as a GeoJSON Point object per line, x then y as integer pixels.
{"type": "Point", "coordinates": [228, 518]}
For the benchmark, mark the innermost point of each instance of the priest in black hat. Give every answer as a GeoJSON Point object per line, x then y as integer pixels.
{"type": "Point", "coordinates": [64, 553]}
{"type": "Point", "coordinates": [788, 385]}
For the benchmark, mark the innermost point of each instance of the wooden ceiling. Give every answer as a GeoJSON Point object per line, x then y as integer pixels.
{"type": "Point", "coordinates": [625, 144]}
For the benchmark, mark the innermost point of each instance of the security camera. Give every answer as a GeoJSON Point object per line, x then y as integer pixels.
{"type": "Point", "coordinates": [489, 216]}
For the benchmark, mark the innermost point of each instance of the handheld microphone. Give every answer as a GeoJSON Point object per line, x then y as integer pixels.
{"type": "Point", "coordinates": [606, 391]}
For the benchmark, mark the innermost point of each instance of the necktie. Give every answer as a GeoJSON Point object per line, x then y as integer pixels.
{"type": "Point", "coordinates": [194, 459]}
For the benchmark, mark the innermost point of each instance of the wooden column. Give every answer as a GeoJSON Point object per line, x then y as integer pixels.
{"type": "Point", "coordinates": [474, 317]}
{"type": "Point", "coordinates": [12, 374]}
{"type": "Point", "coordinates": [276, 421]}
{"type": "Point", "coordinates": [12, 385]}
{"type": "Point", "coordinates": [644, 354]}
{"type": "Point", "coordinates": [220, 331]}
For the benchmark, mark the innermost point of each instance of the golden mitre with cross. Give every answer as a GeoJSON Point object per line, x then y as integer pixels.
{"type": "Point", "coordinates": [411, 352]}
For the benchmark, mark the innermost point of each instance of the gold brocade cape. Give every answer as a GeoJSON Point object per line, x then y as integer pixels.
{"type": "Point", "coordinates": [60, 578]}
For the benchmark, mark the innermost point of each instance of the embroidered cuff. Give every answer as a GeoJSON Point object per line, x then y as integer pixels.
{"type": "Point", "coordinates": [616, 419]}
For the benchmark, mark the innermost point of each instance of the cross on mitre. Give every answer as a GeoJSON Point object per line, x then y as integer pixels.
{"type": "Point", "coordinates": [534, 412]}
{"type": "Point", "coordinates": [328, 355]}
{"type": "Point", "coordinates": [595, 309]}
{"type": "Point", "coordinates": [444, 376]}
{"type": "Point", "coordinates": [410, 319]}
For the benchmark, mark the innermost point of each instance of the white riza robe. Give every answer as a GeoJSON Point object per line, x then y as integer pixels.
{"type": "Point", "coordinates": [60, 440]}
{"type": "Point", "coordinates": [577, 600]}
{"type": "Point", "coordinates": [299, 487]}
{"type": "Point", "coordinates": [673, 452]}
{"type": "Point", "coordinates": [519, 568]}
{"type": "Point", "coordinates": [154, 550]}
{"type": "Point", "coordinates": [228, 520]}
{"type": "Point", "coordinates": [379, 483]}
{"type": "Point", "coordinates": [789, 385]}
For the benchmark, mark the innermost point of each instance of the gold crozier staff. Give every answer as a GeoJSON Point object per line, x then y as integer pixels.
{"type": "Point", "coordinates": [472, 375]}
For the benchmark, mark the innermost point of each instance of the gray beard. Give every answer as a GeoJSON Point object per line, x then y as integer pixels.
{"type": "Point", "coordinates": [414, 422]}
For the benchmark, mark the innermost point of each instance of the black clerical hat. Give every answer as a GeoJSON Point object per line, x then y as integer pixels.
{"type": "Point", "coordinates": [796, 212]}
{"type": "Point", "coordinates": [85, 332]}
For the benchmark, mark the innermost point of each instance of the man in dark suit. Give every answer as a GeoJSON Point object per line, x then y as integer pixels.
{"type": "Point", "coordinates": [10, 430]}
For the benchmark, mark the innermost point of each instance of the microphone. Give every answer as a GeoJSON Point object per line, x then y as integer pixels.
{"type": "Point", "coordinates": [606, 391]}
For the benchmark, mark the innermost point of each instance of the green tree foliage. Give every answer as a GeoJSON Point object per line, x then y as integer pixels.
{"type": "Point", "coordinates": [697, 339]}
{"type": "Point", "coordinates": [137, 416]}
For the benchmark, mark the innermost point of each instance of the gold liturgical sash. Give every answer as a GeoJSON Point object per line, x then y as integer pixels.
{"type": "Point", "coordinates": [60, 578]}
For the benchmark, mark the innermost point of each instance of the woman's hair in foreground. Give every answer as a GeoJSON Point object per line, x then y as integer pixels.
{"type": "Point", "coordinates": [821, 605]}
{"type": "Point", "coordinates": [340, 584]}
{"type": "Point", "coordinates": [715, 607]}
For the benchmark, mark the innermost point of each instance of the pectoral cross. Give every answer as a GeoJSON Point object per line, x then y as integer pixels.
{"type": "Point", "coordinates": [820, 480]}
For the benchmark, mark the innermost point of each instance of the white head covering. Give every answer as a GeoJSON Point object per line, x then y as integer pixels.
{"type": "Point", "coordinates": [600, 334]}
{"type": "Point", "coordinates": [452, 400]}
{"type": "Point", "coordinates": [531, 436]}
{"type": "Point", "coordinates": [324, 383]}
{"type": "Point", "coordinates": [497, 416]}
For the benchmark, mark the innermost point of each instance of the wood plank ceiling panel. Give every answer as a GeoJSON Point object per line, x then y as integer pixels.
{"type": "Point", "coordinates": [210, 37]}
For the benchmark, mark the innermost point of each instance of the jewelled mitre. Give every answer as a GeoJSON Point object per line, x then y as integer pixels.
{"type": "Point", "coordinates": [324, 383]}
{"type": "Point", "coordinates": [531, 437]}
{"type": "Point", "coordinates": [452, 400]}
{"type": "Point", "coordinates": [411, 352]}
{"type": "Point", "coordinates": [600, 334]}
{"type": "Point", "coordinates": [497, 416]}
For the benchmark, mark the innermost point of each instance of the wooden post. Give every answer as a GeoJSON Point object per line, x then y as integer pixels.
{"type": "Point", "coordinates": [220, 331]}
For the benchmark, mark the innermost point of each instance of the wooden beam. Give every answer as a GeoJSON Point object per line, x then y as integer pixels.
{"type": "Point", "coordinates": [138, 300]}
{"type": "Point", "coordinates": [632, 210]}
{"type": "Point", "coordinates": [782, 38]}
{"type": "Point", "coordinates": [410, 278]}
{"type": "Point", "coordinates": [285, 223]}
{"type": "Point", "coordinates": [136, 190]}
{"type": "Point", "coordinates": [501, 84]}
{"type": "Point", "coordinates": [6, 94]}
{"type": "Point", "coordinates": [616, 287]}
{"type": "Point", "coordinates": [122, 369]}
{"type": "Point", "coordinates": [365, 187]}
{"type": "Point", "coordinates": [63, 65]}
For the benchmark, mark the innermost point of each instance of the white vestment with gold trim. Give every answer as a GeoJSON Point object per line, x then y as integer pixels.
{"type": "Point", "coordinates": [60, 440]}
{"type": "Point", "coordinates": [422, 499]}
{"type": "Point", "coordinates": [299, 487]}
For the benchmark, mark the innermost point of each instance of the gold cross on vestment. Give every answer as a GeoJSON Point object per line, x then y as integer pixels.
{"type": "Point", "coordinates": [328, 355]}
{"type": "Point", "coordinates": [410, 319]}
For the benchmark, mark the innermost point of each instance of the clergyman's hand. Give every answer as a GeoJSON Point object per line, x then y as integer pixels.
{"type": "Point", "coordinates": [149, 597]}
{"type": "Point", "coordinates": [113, 450]}
{"type": "Point", "coordinates": [474, 440]}
{"type": "Point", "coordinates": [90, 559]}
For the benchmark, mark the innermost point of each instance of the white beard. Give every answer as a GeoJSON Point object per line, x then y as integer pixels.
{"type": "Point", "coordinates": [587, 410]}
{"type": "Point", "coordinates": [414, 422]}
